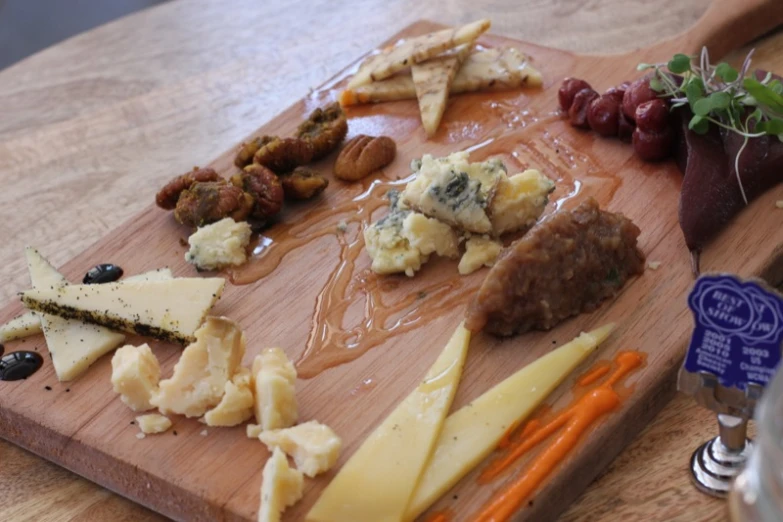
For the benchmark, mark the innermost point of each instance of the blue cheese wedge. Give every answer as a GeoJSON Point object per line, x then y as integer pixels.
{"type": "Point", "coordinates": [455, 191]}
{"type": "Point", "coordinates": [20, 327]}
{"type": "Point", "coordinates": [203, 370]}
{"type": "Point", "coordinates": [415, 50]}
{"type": "Point", "coordinates": [403, 240]}
{"type": "Point", "coordinates": [479, 251]}
{"type": "Point", "coordinates": [170, 310]}
{"type": "Point", "coordinates": [519, 201]}
{"type": "Point", "coordinates": [73, 345]}
{"type": "Point", "coordinates": [219, 245]}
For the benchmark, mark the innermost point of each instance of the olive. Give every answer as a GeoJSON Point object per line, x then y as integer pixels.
{"type": "Point", "coordinates": [568, 90]}
{"type": "Point", "coordinates": [636, 94]}
{"type": "Point", "coordinates": [653, 146]}
{"type": "Point", "coordinates": [103, 273]}
{"type": "Point", "coordinates": [652, 116]}
{"type": "Point", "coordinates": [603, 115]}
{"type": "Point", "coordinates": [577, 114]}
{"type": "Point", "coordinates": [19, 365]}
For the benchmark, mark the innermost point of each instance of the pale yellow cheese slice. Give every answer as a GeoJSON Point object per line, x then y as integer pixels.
{"type": "Point", "coordinates": [472, 432]}
{"type": "Point", "coordinates": [73, 345]}
{"type": "Point", "coordinates": [20, 327]}
{"type": "Point", "coordinates": [376, 483]}
{"type": "Point", "coordinates": [490, 69]}
{"type": "Point", "coordinates": [415, 50]}
{"type": "Point", "coordinates": [432, 81]}
{"type": "Point", "coordinates": [170, 310]}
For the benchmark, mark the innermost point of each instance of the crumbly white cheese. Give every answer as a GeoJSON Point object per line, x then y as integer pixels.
{"type": "Point", "coordinates": [313, 446]}
{"type": "Point", "coordinates": [479, 251]}
{"type": "Point", "coordinates": [253, 431]}
{"type": "Point", "coordinates": [519, 201]}
{"type": "Point", "coordinates": [153, 423]}
{"type": "Point", "coordinates": [218, 245]}
{"type": "Point", "coordinates": [275, 392]}
{"type": "Point", "coordinates": [454, 190]}
{"type": "Point", "coordinates": [403, 240]}
{"type": "Point", "coordinates": [135, 373]}
{"type": "Point", "coordinates": [203, 369]}
{"type": "Point", "coordinates": [281, 486]}
{"type": "Point", "coordinates": [779, 203]}
{"type": "Point", "coordinates": [653, 265]}
{"type": "Point", "coordinates": [236, 406]}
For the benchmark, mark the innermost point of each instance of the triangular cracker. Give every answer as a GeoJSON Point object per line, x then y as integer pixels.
{"type": "Point", "coordinates": [432, 81]}
{"type": "Point", "coordinates": [490, 69]}
{"type": "Point", "coordinates": [415, 50]}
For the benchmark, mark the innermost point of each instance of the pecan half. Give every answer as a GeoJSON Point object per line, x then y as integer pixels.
{"type": "Point", "coordinates": [284, 154]}
{"type": "Point", "coordinates": [207, 202]}
{"type": "Point", "coordinates": [263, 186]}
{"type": "Point", "coordinates": [364, 155]}
{"type": "Point", "coordinates": [325, 129]}
{"type": "Point", "coordinates": [303, 183]}
{"type": "Point", "coordinates": [169, 194]}
{"type": "Point", "coordinates": [248, 149]}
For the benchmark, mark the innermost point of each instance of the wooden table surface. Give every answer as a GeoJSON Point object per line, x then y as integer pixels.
{"type": "Point", "coordinates": [91, 127]}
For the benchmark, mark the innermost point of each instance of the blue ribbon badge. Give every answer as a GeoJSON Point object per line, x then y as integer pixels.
{"type": "Point", "coordinates": [738, 332]}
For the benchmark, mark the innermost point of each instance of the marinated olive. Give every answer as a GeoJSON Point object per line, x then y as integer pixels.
{"type": "Point", "coordinates": [577, 114]}
{"type": "Point", "coordinates": [19, 365]}
{"type": "Point", "coordinates": [568, 90]}
{"type": "Point", "coordinates": [603, 115]}
{"type": "Point", "coordinates": [103, 273]}
{"type": "Point", "coordinates": [638, 93]}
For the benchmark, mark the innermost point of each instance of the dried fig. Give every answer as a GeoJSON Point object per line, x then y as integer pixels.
{"type": "Point", "coordinates": [325, 129]}
{"type": "Point", "coordinates": [284, 154]}
{"type": "Point", "coordinates": [169, 194]}
{"type": "Point", "coordinates": [207, 202]}
{"type": "Point", "coordinates": [303, 183]}
{"type": "Point", "coordinates": [364, 155]}
{"type": "Point", "coordinates": [264, 187]}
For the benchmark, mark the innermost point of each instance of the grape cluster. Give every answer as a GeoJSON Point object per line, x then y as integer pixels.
{"type": "Point", "coordinates": [631, 111]}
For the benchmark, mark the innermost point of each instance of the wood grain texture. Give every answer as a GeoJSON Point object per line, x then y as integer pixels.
{"type": "Point", "coordinates": [131, 135]}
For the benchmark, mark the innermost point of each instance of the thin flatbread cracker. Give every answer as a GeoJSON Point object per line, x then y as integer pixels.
{"type": "Point", "coordinates": [414, 50]}
{"type": "Point", "coordinates": [432, 82]}
{"type": "Point", "coordinates": [489, 69]}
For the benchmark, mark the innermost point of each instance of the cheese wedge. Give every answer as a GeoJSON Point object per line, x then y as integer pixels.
{"type": "Point", "coordinates": [432, 81]}
{"type": "Point", "coordinates": [415, 50]}
{"type": "Point", "coordinates": [73, 345]}
{"type": "Point", "coordinates": [20, 327]}
{"type": "Point", "coordinates": [472, 432]}
{"type": "Point", "coordinates": [170, 310]}
{"type": "Point", "coordinates": [30, 324]}
{"type": "Point", "coordinates": [377, 482]}
{"type": "Point", "coordinates": [490, 69]}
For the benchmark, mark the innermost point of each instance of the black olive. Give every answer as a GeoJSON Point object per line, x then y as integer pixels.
{"type": "Point", "coordinates": [19, 365]}
{"type": "Point", "coordinates": [103, 273]}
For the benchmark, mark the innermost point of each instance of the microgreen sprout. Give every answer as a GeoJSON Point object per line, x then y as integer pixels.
{"type": "Point", "coordinates": [721, 95]}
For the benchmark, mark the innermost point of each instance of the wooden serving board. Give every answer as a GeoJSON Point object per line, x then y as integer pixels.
{"type": "Point", "coordinates": [189, 476]}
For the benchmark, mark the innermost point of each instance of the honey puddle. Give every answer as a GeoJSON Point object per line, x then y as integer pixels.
{"type": "Point", "coordinates": [511, 132]}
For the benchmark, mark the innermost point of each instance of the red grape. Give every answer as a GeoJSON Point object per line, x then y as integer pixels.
{"type": "Point", "coordinates": [625, 128]}
{"type": "Point", "coordinates": [638, 93]}
{"type": "Point", "coordinates": [577, 114]}
{"type": "Point", "coordinates": [652, 116]}
{"type": "Point", "coordinates": [568, 90]}
{"type": "Point", "coordinates": [653, 146]}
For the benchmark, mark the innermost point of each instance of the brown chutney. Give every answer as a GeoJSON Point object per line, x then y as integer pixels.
{"type": "Point", "coordinates": [565, 265]}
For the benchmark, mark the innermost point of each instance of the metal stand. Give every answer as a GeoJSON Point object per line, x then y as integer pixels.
{"type": "Point", "coordinates": [716, 462]}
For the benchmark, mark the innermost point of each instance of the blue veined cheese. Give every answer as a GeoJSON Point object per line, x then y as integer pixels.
{"type": "Point", "coordinates": [519, 201]}
{"type": "Point", "coordinates": [403, 240]}
{"type": "Point", "coordinates": [479, 251]}
{"type": "Point", "coordinates": [218, 245]}
{"type": "Point", "coordinates": [455, 191]}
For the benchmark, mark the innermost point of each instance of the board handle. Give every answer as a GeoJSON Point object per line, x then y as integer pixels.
{"type": "Point", "coordinates": [725, 25]}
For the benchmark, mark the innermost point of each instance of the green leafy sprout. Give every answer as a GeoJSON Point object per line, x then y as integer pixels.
{"type": "Point", "coordinates": [721, 95]}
